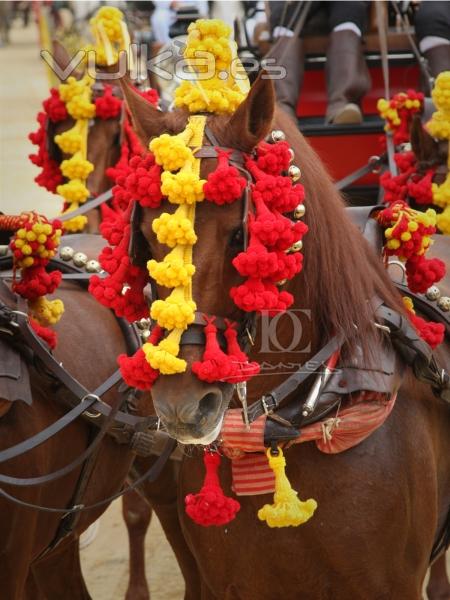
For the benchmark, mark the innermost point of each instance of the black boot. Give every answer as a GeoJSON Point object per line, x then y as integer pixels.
{"type": "Point", "coordinates": [289, 54]}
{"type": "Point", "coordinates": [348, 78]}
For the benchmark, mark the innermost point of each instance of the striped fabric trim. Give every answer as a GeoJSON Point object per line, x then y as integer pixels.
{"type": "Point", "coordinates": [250, 469]}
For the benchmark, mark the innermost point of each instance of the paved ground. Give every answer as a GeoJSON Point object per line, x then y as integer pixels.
{"type": "Point", "coordinates": [23, 87]}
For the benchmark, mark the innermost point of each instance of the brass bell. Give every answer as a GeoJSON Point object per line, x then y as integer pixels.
{"type": "Point", "coordinates": [292, 155]}
{"type": "Point", "coordinates": [299, 211]}
{"type": "Point", "coordinates": [93, 266]}
{"type": "Point", "coordinates": [294, 172]}
{"type": "Point", "coordinates": [277, 135]}
{"type": "Point", "coordinates": [282, 282]}
{"type": "Point", "coordinates": [295, 247]}
{"type": "Point", "coordinates": [80, 259]}
{"type": "Point", "coordinates": [145, 334]}
{"type": "Point", "coordinates": [66, 253]}
{"type": "Point", "coordinates": [444, 303]}
{"type": "Point", "coordinates": [143, 323]}
{"type": "Point", "coordinates": [433, 293]}
{"type": "Point", "coordinates": [3, 250]}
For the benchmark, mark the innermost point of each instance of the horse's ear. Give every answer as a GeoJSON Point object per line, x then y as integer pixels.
{"type": "Point", "coordinates": [252, 121]}
{"type": "Point", "coordinates": [424, 146]}
{"type": "Point", "coordinates": [62, 59]}
{"type": "Point", "coordinates": [148, 121]}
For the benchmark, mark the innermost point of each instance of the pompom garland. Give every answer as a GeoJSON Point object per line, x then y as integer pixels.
{"type": "Point", "coordinates": [432, 333]}
{"type": "Point", "coordinates": [273, 158]}
{"type": "Point", "coordinates": [398, 113]}
{"type": "Point", "coordinates": [50, 176]}
{"type": "Point", "coordinates": [210, 506]}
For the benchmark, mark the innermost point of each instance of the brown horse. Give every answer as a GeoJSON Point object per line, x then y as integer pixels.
{"type": "Point", "coordinates": [381, 504]}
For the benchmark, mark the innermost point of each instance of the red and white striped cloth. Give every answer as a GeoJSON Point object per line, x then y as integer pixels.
{"type": "Point", "coordinates": [250, 469]}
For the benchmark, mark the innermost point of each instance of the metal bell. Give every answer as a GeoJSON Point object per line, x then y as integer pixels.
{"type": "Point", "coordinates": [294, 172]}
{"type": "Point", "coordinates": [3, 250]}
{"type": "Point", "coordinates": [66, 253]}
{"type": "Point", "coordinates": [93, 266]}
{"type": "Point", "coordinates": [299, 211]}
{"type": "Point", "coordinates": [125, 289]}
{"type": "Point", "coordinates": [145, 334]}
{"type": "Point", "coordinates": [282, 282]}
{"type": "Point", "coordinates": [143, 323]}
{"type": "Point", "coordinates": [277, 135]}
{"type": "Point", "coordinates": [444, 303]}
{"type": "Point", "coordinates": [291, 154]}
{"type": "Point", "coordinates": [433, 293]}
{"type": "Point", "coordinates": [295, 247]}
{"type": "Point", "coordinates": [80, 259]}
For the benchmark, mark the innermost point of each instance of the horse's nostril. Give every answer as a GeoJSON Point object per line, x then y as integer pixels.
{"type": "Point", "coordinates": [209, 403]}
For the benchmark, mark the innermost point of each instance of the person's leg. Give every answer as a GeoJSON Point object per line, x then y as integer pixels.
{"type": "Point", "coordinates": [346, 70]}
{"type": "Point", "coordinates": [432, 23]}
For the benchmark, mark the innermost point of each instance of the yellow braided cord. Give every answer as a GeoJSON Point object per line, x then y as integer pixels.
{"type": "Point", "coordinates": [176, 230]}
{"type": "Point", "coordinates": [287, 510]}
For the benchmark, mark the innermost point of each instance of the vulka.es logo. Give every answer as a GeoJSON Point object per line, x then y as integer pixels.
{"type": "Point", "coordinates": [286, 332]}
{"type": "Point", "coordinates": [167, 64]}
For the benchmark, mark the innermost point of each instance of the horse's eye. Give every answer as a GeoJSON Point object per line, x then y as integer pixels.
{"type": "Point", "coordinates": [237, 238]}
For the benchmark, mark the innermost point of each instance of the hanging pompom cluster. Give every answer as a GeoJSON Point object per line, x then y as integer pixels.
{"type": "Point", "coordinates": [439, 127]}
{"type": "Point", "coordinates": [33, 244]}
{"type": "Point", "coordinates": [431, 332]}
{"type": "Point", "coordinates": [398, 113]}
{"type": "Point", "coordinates": [122, 289]}
{"type": "Point", "coordinates": [273, 255]}
{"type": "Point", "coordinates": [215, 94]}
{"type": "Point", "coordinates": [54, 111]}
{"type": "Point", "coordinates": [408, 236]}
{"type": "Point", "coordinates": [111, 36]}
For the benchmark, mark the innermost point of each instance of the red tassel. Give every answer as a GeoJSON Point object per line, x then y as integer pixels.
{"type": "Point", "coordinates": [224, 185]}
{"type": "Point", "coordinates": [273, 229]}
{"type": "Point", "coordinates": [143, 182]}
{"type": "Point", "coordinates": [215, 365]}
{"type": "Point", "coordinates": [260, 296]}
{"type": "Point", "coordinates": [50, 176]}
{"type": "Point", "coordinates": [136, 371]}
{"type": "Point", "coordinates": [243, 368]}
{"type": "Point", "coordinates": [421, 189]}
{"type": "Point", "coordinates": [210, 506]}
{"type": "Point", "coordinates": [277, 192]}
{"type": "Point", "coordinates": [108, 106]}
{"type": "Point", "coordinates": [432, 333]}
{"type": "Point", "coordinates": [256, 261]}
{"type": "Point", "coordinates": [36, 282]}
{"type": "Point", "coordinates": [54, 107]}
{"type": "Point", "coordinates": [422, 273]}
{"type": "Point", "coordinates": [273, 158]}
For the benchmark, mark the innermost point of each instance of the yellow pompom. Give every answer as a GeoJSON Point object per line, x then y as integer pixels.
{"type": "Point", "coordinates": [109, 18]}
{"type": "Point", "coordinates": [46, 312]}
{"type": "Point", "coordinates": [70, 141]}
{"type": "Point", "coordinates": [171, 151]}
{"type": "Point", "coordinates": [80, 107]}
{"type": "Point", "coordinates": [73, 191]}
{"type": "Point", "coordinates": [443, 221]}
{"type": "Point", "coordinates": [408, 303]}
{"type": "Point", "coordinates": [70, 89]}
{"type": "Point", "coordinates": [175, 229]}
{"type": "Point", "coordinates": [441, 92]}
{"type": "Point", "coordinates": [164, 356]}
{"type": "Point", "coordinates": [76, 168]}
{"type": "Point", "coordinates": [175, 270]}
{"type": "Point", "coordinates": [441, 193]}
{"type": "Point", "coordinates": [183, 187]}
{"type": "Point", "coordinates": [175, 312]}
{"type": "Point", "coordinates": [287, 510]}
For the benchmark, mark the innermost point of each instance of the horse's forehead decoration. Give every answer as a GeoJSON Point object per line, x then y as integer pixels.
{"type": "Point", "coordinates": [171, 172]}
{"type": "Point", "coordinates": [75, 99]}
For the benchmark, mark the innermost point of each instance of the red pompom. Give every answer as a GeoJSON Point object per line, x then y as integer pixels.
{"type": "Point", "coordinates": [45, 333]}
{"type": "Point", "coordinates": [420, 189]}
{"type": "Point", "coordinates": [243, 368]}
{"type": "Point", "coordinates": [36, 282]}
{"type": "Point", "coordinates": [432, 333]}
{"type": "Point", "coordinates": [151, 95]}
{"type": "Point", "coordinates": [422, 273]}
{"type": "Point", "coordinates": [210, 506]}
{"type": "Point", "coordinates": [276, 192]}
{"type": "Point", "coordinates": [273, 158]}
{"type": "Point", "coordinates": [256, 261]}
{"type": "Point", "coordinates": [50, 176]}
{"type": "Point", "coordinates": [108, 106]}
{"type": "Point", "coordinates": [136, 371]}
{"type": "Point", "coordinates": [273, 229]}
{"type": "Point", "coordinates": [215, 364]}
{"type": "Point", "coordinates": [224, 185]}
{"type": "Point", "coordinates": [143, 182]}
{"type": "Point", "coordinates": [260, 296]}
{"type": "Point", "coordinates": [55, 107]}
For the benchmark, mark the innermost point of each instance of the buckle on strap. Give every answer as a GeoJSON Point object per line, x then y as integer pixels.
{"type": "Point", "coordinates": [269, 404]}
{"type": "Point", "coordinates": [89, 414]}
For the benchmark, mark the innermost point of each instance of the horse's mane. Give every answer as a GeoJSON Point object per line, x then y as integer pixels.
{"type": "Point", "coordinates": [341, 272]}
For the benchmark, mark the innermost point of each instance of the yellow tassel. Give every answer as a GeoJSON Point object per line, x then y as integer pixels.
{"type": "Point", "coordinates": [175, 312]}
{"type": "Point", "coordinates": [163, 357]}
{"type": "Point", "coordinates": [176, 228]}
{"type": "Point", "coordinates": [175, 269]}
{"type": "Point", "coordinates": [287, 510]}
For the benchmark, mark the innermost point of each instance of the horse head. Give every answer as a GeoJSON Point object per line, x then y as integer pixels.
{"type": "Point", "coordinates": [191, 409]}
